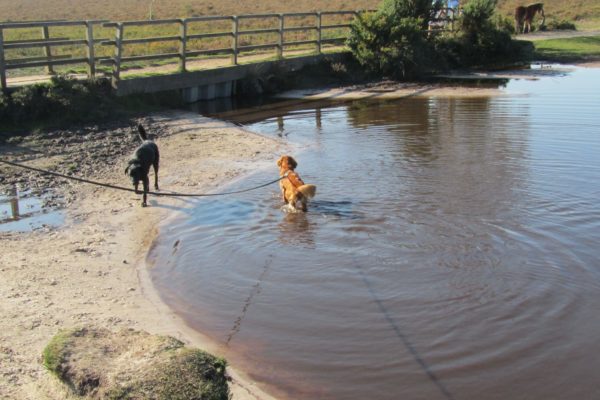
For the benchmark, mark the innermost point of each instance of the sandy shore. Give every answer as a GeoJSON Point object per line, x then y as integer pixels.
{"type": "Point", "coordinates": [91, 270]}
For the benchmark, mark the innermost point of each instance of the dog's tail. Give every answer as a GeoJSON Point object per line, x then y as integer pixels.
{"type": "Point", "coordinates": [142, 132]}
{"type": "Point", "coordinates": [307, 191]}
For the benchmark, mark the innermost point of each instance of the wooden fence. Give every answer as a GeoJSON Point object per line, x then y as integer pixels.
{"type": "Point", "coordinates": [316, 33]}
{"type": "Point", "coordinates": [48, 60]}
{"type": "Point", "coordinates": [234, 34]}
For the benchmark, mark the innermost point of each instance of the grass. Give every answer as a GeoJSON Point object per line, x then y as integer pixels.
{"type": "Point", "coordinates": [571, 49]}
{"type": "Point", "coordinates": [140, 9]}
{"type": "Point", "coordinates": [53, 353]}
{"type": "Point", "coordinates": [96, 363]}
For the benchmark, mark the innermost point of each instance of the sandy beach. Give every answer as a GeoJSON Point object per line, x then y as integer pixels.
{"type": "Point", "coordinates": [91, 270]}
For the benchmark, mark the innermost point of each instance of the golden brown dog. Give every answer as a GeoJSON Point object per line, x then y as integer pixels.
{"type": "Point", "coordinates": [293, 189]}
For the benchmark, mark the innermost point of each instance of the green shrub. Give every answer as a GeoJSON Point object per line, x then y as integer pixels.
{"type": "Point", "coordinates": [485, 39]}
{"type": "Point", "coordinates": [5, 104]}
{"type": "Point", "coordinates": [504, 23]}
{"type": "Point", "coordinates": [392, 41]}
{"type": "Point", "coordinates": [476, 18]}
{"type": "Point", "coordinates": [29, 103]}
{"type": "Point", "coordinates": [64, 100]}
{"type": "Point", "coordinates": [424, 10]}
{"type": "Point", "coordinates": [556, 25]}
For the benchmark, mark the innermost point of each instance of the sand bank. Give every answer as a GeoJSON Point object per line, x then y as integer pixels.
{"type": "Point", "coordinates": [91, 270]}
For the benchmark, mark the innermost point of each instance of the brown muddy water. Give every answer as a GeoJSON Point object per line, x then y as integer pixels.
{"type": "Point", "coordinates": [452, 251]}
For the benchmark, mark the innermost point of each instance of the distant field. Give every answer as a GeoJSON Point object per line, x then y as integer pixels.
{"type": "Point", "coordinates": [19, 10]}
{"type": "Point", "coordinates": [579, 11]}
{"type": "Point", "coordinates": [584, 13]}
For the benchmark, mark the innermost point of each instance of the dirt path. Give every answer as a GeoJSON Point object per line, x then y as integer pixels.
{"type": "Point", "coordinates": [556, 35]}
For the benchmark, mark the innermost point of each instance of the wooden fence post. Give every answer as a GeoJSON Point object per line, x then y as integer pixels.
{"type": "Point", "coordinates": [47, 49]}
{"type": "Point", "coordinates": [234, 39]}
{"type": "Point", "coordinates": [89, 36]}
{"type": "Point", "coordinates": [280, 42]}
{"type": "Point", "coordinates": [319, 33]}
{"type": "Point", "coordinates": [182, 44]}
{"type": "Point", "coordinates": [118, 53]}
{"type": "Point", "coordinates": [2, 69]}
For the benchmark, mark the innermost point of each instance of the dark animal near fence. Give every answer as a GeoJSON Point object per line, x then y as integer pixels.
{"type": "Point", "coordinates": [138, 167]}
{"type": "Point", "coordinates": [524, 16]}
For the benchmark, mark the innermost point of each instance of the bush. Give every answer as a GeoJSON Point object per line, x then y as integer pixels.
{"type": "Point", "coordinates": [504, 23]}
{"type": "Point", "coordinates": [64, 100]}
{"type": "Point", "coordinates": [483, 42]}
{"type": "Point", "coordinates": [556, 25]}
{"type": "Point", "coordinates": [392, 40]}
{"type": "Point", "coordinates": [5, 104]}
{"type": "Point", "coordinates": [29, 103]}
{"type": "Point", "coordinates": [476, 19]}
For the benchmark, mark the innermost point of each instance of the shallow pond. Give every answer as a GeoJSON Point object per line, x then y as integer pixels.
{"type": "Point", "coordinates": [451, 251]}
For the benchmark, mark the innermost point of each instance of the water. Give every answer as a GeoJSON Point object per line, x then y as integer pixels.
{"type": "Point", "coordinates": [451, 251]}
{"type": "Point", "coordinates": [22, 212]}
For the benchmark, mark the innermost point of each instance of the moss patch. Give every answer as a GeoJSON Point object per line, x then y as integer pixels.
{"type": "Point", "coordinates": [99, 364]}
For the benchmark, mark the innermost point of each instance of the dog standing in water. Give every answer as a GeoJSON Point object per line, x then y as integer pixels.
{"type": "Point", "coordinates": [293, 189]}
{"type": "Point", "coordinates": [138, 167]}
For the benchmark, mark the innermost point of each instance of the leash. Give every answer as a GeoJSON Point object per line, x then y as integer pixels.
{"type": "Point", "coordinates": [107, 185]}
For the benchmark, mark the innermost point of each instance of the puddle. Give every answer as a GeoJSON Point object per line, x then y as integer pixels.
{"type": "Point", "coordinates": [23, 212]}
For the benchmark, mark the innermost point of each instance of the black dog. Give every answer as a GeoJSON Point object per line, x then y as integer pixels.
{"type": "Point", "coordinates": [138, 167]}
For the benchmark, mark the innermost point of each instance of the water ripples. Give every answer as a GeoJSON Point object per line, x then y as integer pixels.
{"type": "Point", "coordinates": [451, 251]}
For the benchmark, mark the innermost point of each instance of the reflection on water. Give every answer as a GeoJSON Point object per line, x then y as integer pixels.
{"type": "Point", "coordinates": [22, 212]}
{"type": "Point", "coordinates": [451, 252]}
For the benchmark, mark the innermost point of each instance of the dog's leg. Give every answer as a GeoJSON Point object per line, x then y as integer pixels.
{"type": "Point", "coordinates": [146, 185]}
{"type": "Point", "coordinates": [155, 165]}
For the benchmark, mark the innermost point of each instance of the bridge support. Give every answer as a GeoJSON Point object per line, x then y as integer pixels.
{"type": "Point", "coordinates": [209, 92]}
{"type": "Point", "coordinates": [217, 83]}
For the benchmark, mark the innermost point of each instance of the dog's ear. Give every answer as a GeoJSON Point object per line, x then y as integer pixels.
{"type": "Point", "coordinates": [293, 164]}
{"type": "Point", "coordinates": [129, 164]}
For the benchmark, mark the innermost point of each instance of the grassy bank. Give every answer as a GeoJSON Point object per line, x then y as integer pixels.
{"type": "Point", "coordinates": [64, 102]}
{"type": "Point", "coordinates": [567, 50]}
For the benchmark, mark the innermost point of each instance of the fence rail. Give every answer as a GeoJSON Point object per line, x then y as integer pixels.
{"type": "Point", "coordinates": [312, 33]}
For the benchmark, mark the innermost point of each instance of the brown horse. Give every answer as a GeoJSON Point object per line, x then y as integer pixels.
{"type": "Point", "coordinates": [524, 16]}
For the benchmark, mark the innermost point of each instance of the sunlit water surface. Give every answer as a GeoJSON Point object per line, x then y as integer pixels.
{"type": "Point", "coordinates": [452, 251]}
